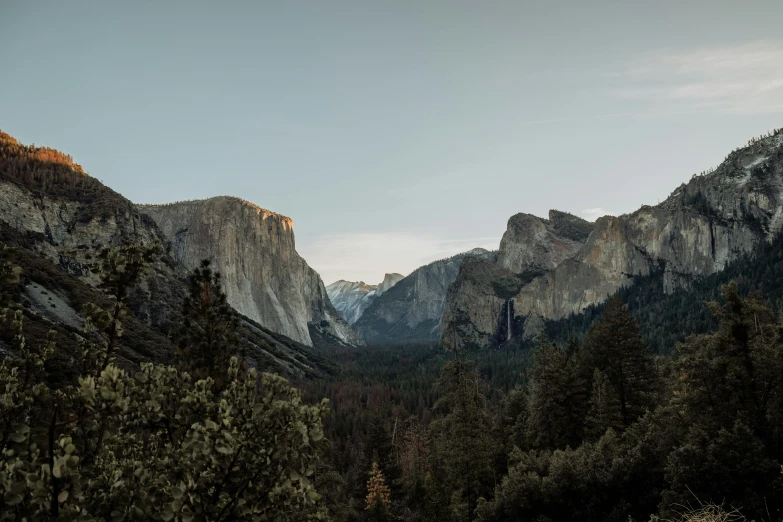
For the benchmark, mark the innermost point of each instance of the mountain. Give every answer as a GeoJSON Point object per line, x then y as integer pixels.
{"type": "Point", "coordinates": [351, 298]}
{"type": "Point", "coordinates": [700, 228]}
{"type": "Point", "coordinates": [411, 309]}
{"type": "Point", "coordinates": [263, 276]}
{"type": "Point", "coordinates": [477, 307]}
{"type": "Point", "coordinates": [389, 280]}
{"type": "Point", "coordinates": [59, 219]}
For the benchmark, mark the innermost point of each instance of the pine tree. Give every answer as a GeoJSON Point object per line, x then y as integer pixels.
{"type": "Point", "coordinates": [615, 346]}
{"type": "Point", "coordinates": [464, 447]}
{"type": "Point", "coordinates": [378, 447]}
{"type": "Point", "coordinates": [120, 269]}
{"type": "Point", "coordinates": [208, 334]}
{"type": "Point", "coordinates": [9, 275]}
{"type": "Point", "coordinates": [152, 443]}
{"type": "Point", "coordinates": [604, 408]}
{"type": "Point", "coordinates": [378, 497]}
{"type": "Point", "coordinates": [557, 398]}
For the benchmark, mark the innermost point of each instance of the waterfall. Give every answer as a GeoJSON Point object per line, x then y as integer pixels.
{"type": "Point", "coordinates": [508, 316]}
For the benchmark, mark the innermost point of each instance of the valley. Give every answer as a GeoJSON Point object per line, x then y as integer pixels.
{"type": "Point", "coordinates": [470, 383]}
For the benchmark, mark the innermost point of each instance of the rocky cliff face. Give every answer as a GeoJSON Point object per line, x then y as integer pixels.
{"type": "Point", "coordinates": [695, 232]}
{"type": "Point", "coordinates": [479, 296]}
{"type": "Point", "coordinates": [59, 219]}
{"type": "Point", "coordinates": [351, 298]}
{"type": "Point", "coordinates": [412, 308]}
{"type": "Point", "coordinates": [263, 276]}
{"type": "Point", "coordinates": [389, 280]}
{"type": "Point", "coordinates": [534, 243]}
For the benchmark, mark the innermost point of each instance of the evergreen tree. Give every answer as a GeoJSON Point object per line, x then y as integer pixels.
{"type": "Point", "coordinates": [9, 276]}
{"type": "Point", "coordinates": [556, 398]}
{"type": "Point", "coordinates": [729, 387]}
{"type": "Point", "coordinates": [151, 444]}
{"type": "Point", "coordinates": [615, 346]}
{"type": "Point", "coordinates": [604, 409]}
{"type": "Point", "coordinates": [378, 497]}
{"type": "Point", "coordinates": [464, 447]}
{"type": "Point", "coordinates": [119, 269]}
{"type": "Point", "coordinates": [208, 334]}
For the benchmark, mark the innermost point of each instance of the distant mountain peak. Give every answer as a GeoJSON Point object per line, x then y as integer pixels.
{"type": "Point", "coordinates": [389, 280]}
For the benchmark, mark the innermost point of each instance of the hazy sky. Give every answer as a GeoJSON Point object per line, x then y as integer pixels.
{"type": "Point", "coordinates": [393, 133]}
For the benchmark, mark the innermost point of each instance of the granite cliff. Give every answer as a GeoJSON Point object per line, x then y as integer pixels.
{"type": "Point", "coordinates": [477, 308]}
{"type": "Point", "coordinates": [411, 309]}
{"type": "Point", "coordinates": [263, 276]}
{"type": "Point", "coordinates": [351, 298]}
{"type": "Point", "coordinates": [59, 219]}
{"type": "Point", "coordinates": [703, 225]}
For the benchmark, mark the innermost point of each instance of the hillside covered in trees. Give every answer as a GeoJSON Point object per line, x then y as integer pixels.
{"type": "Point", "coordinates": [599, 427]}
{"type": "Point", "coordinates": [119, 401]}
{"type": "Point", "coordinates": [649, 404]}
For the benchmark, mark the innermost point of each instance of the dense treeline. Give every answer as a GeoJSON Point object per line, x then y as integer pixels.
{"type": "Point", "coordinates": [666, 319]}
{"type": "Point", "coordinates": [595, 428]}
{"type": "Point", "coordinates": [49, 172]}
{"type": "Point", "coordinates": [599, 428]}
{"type": "Point", "coordinates": [150, 443]}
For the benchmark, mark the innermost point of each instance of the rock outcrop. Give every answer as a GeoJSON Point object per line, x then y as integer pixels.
{"type": "Point", "coordinates": [695, 232]}
{"type": "Point", "coordinates": [411, 310]}
{"type": "Point", "coordinates": [351, 298]}
{"type": "Point", "coordinates": [531, 242]}
{"type": "Point", "coordinates": [389, 280]}
{"type": "Point", "coordinates": [60, 219]}
{"type": "Point", "coordinates": [263, 276]}
{"type": "Point", "coordinates": [530, 247]}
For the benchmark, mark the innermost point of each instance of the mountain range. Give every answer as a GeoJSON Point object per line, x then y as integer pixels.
{"type": "Point", "coordinates": [351, 298]}
{"type": "Point", "coordinates": [545, 269]}
{"type": "Point", "coordinates": [59, 219]}
{"type": "Point", "coordinates": [551, 274]}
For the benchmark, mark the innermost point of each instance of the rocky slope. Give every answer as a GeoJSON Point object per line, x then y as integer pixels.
{"type": "Point", "coordinates": [411, 310]}
{"type": "Point", "coordinates": [477, 308]}
{"type": "Point", "coordinates": [60, 218]}
{"type": "Point", "coordinates": [263, 276]}
{"type": "Point", "coordinates": [351, 298]}
{"type": "Point", "coordinates": [695, 232]}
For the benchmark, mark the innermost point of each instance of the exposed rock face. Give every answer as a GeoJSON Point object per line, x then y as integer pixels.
{"type": "Point", "coordinates": [59, 219]}
{"type": "Point", "coordinates": [472, 306]}
{"type": "Point", "coordinates": [70, 237]}
{"type": "Point", "coordinates": [695, 232]}
{"type": "Point", "coordinates": [412, 308]}
{"type": "Point", "coordinates": [529, 247]}
{"type": "Point", "coordinates": [532, 242]}
{"type": "Point", "coordinates": [351, 298]}
{"type": "Point", "coordinates": [263, 276]}
{"type": "Point", "coordinates": [389, 280]}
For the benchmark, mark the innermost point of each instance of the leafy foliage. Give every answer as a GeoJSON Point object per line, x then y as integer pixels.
{"type": "Point", "coordinates": [154, 445]}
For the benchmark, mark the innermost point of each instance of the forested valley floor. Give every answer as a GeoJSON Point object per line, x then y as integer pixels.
{"type": "Point", "coordinates": [647, 407]}
{"type": "Point", "coordinates": [650, 404]}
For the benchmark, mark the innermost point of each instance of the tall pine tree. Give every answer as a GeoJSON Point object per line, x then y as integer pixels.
{"type": "Point", "coordinates": [464, 446]}
{"type": "Point", "coordinates": [556, 398]}
{"type": "Point", "coordinates": [208, 334]}
{"type": "Point", "coordinates": [615, 346]}
{"type": "Point", "coordinates": [604, 408]}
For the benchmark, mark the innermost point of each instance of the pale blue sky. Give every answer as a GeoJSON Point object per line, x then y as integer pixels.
{"type": "Point", "coordinates": [393, 133]}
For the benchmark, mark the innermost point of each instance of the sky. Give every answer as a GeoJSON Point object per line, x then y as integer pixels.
{"type": "Point", "coordinates": [396, 132]}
